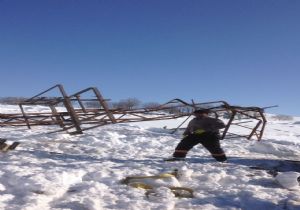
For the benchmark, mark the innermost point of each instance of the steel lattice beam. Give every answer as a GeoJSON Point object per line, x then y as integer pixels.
{"type": "Point", "coordinates": [73, 115]}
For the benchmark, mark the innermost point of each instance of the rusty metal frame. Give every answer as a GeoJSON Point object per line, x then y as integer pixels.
{"type": "Point", "coordinates": [73, 116]}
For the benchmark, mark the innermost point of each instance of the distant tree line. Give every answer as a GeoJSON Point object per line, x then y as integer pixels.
{"type": "Point", "coordinates": [11, 100]}
{"type": "Point", "coordinates": [282, 117]}
{"type": "Point", "coordinates": [123, 104]}
{"type": "Point", "coordinates": [128, 104]}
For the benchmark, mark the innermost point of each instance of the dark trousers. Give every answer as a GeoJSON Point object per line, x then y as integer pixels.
{"type": "Point", "coordinates": [211, 141]}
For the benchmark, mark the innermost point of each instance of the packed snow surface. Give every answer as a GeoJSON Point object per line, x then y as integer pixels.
{"type": "Point", "coordinates": [59, 171]}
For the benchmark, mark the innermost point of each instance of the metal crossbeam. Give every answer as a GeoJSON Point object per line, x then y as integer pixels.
{"type": "Point", "coordinates": [74, 115]}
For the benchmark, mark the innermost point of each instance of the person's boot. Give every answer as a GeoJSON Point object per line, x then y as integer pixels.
{"type": "Point", "coordinates": [175, 159]}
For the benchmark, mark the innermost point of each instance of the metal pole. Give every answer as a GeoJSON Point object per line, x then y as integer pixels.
{"type": "Point", "coordinates": [181, 124]}
{"type": "Point", "coordinates": [70, 108]}
{"type": "Point", "coordinates": [228, 124]}
{"type": "Point", "coordinates": [104, 104]}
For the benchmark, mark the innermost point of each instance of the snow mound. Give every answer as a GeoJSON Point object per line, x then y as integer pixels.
{"type": "Point", "coordinates": [289, 180]}
{"type": "Point", "coordinates": [276, 149]}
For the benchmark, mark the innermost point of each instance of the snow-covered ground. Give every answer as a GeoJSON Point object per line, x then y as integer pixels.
{"type": "Point", "coordinates": [59, 171]}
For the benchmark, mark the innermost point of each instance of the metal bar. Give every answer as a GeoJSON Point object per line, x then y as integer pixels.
{"type": "Point", "coordinates": [181, 124]}
{"type": "Point", "coordinates": [254, 129]}
{"type": "Point", "coordinates": [56, 115]}
{"type": "Point", "coordinates": [70, 109]}
{"type": "Point", "coordinates": [104, 105]}
{"type": "Point", "coordinates": [55, 86]}
{"type": "Point", "coordinates": [264, 120]}
{"type": "Point", "coordinates": [80, 103]}
{"type": "Point", "coordinates": [24, 115]}
{"type": "Point", "coordinates": [242, 126]}
{"type": "Point", "coordinates": [73, 117]}
{"type": "Point", "coordinates": [228, 124]}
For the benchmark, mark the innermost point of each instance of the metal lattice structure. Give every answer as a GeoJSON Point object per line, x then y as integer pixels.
{"type": "Point", "coordinates": [74, 113]}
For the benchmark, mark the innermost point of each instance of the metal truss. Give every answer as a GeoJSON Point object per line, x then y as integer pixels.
{"type": "Point", "coordinates": [87, 109]}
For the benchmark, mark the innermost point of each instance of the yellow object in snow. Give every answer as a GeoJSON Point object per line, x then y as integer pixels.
{"type": "Point", "coordinates": [142, 182]}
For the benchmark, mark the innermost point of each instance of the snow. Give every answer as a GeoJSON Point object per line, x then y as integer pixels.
{"type": "Point", "coordinates": [59, 171]}
{"type": "Point", "coordinates": [288, 180]}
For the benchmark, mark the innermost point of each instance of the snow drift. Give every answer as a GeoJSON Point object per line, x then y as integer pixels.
{"type": "Point", "coordinates": [59, 171]}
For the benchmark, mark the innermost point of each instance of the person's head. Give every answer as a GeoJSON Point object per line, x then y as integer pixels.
{"type": "Point", "coordinates": [201, 112]}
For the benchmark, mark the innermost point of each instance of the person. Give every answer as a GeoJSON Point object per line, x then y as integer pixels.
{"type": "Point", "coordinates": [204, 130]}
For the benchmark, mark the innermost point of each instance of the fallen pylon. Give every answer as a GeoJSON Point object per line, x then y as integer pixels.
{"type": "Point", "coordinates": [73, 114]}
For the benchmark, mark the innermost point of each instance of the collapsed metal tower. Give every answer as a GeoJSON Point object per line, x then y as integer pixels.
{"type": "Point", "coordinates": [74, 113]}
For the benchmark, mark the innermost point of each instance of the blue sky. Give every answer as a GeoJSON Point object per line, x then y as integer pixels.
{"type": "Point", "coordinates": [245, 52]}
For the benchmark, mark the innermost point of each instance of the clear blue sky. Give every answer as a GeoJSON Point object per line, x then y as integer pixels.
{"type": "Point", "coordinates": [245, 52]}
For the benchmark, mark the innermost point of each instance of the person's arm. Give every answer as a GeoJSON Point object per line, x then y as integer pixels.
{"type": "Point", "coordinates": [219, 124]}
{"type": "Point", "coordinates": [188, 129]}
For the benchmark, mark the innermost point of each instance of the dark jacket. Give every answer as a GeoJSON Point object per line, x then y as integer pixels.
{"type": "Point", "coordinates": [207, 124]}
